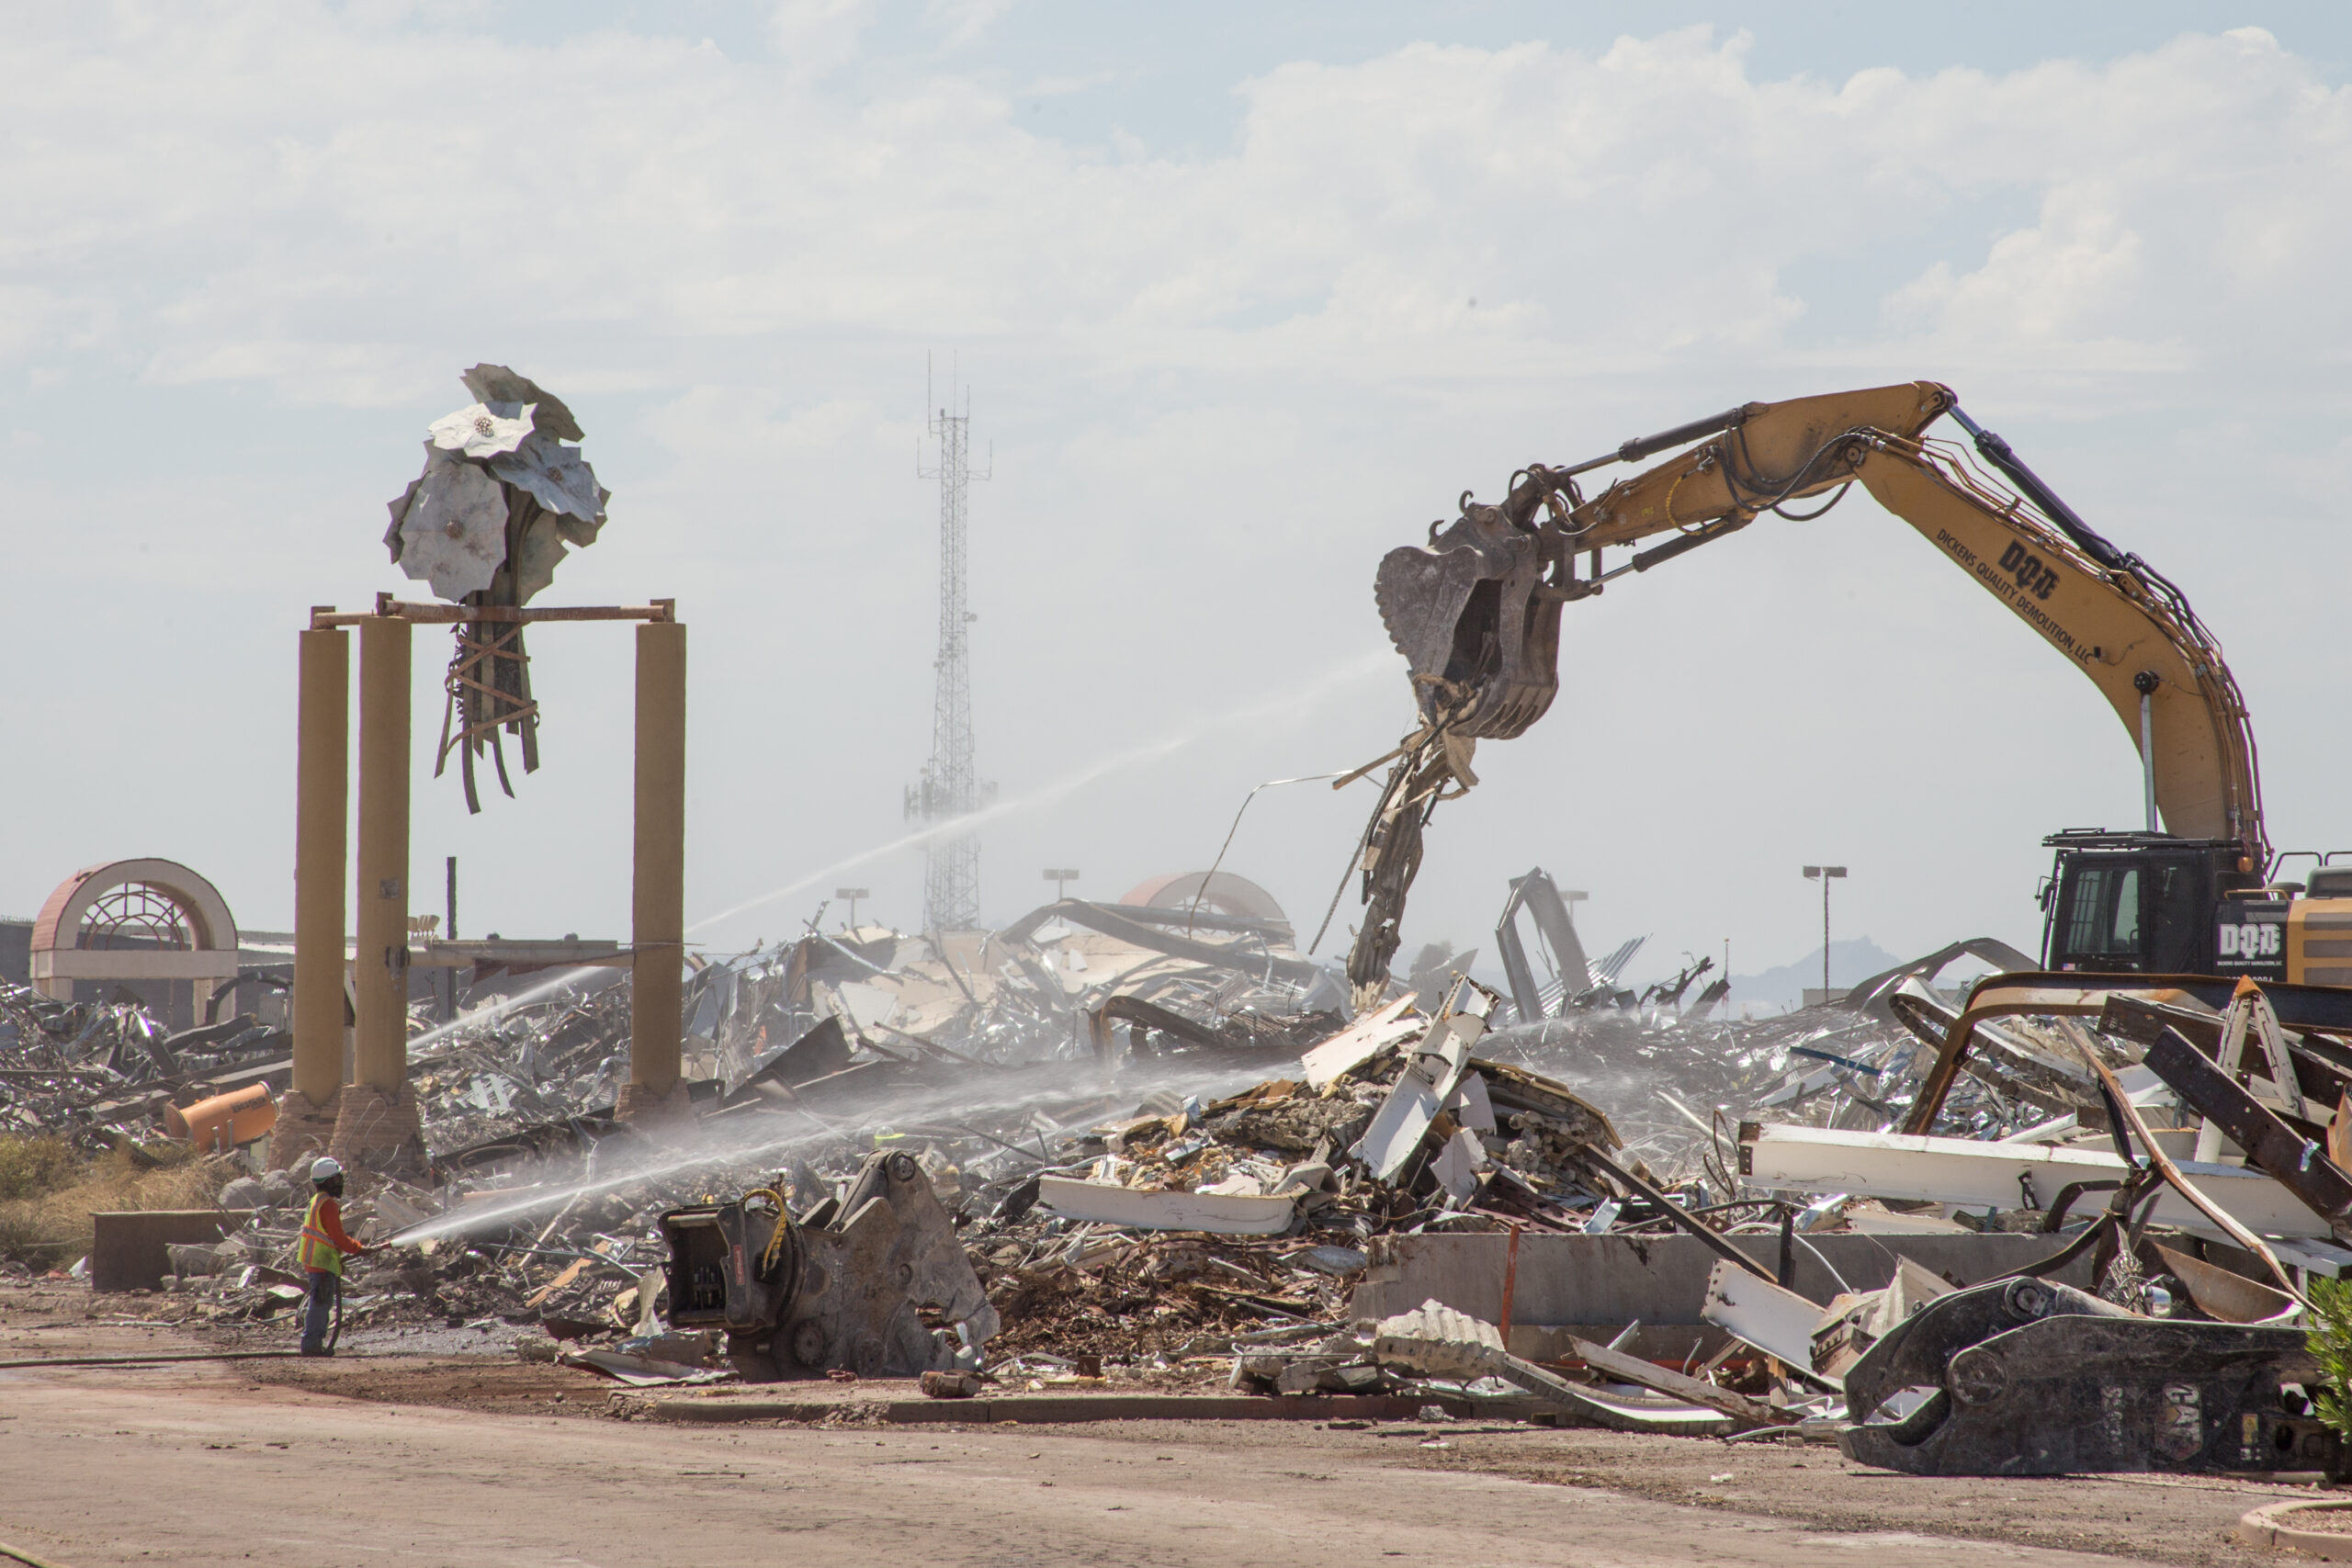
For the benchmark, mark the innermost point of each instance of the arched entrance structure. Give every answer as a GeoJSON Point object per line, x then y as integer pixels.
{"type": "Point", "coordinates": [134, 921]}
{"type": "Point", "coordinates": [1220, 893]}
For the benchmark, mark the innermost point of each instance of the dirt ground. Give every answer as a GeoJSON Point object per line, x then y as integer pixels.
{"type": "Point", "coordinates": [463, 1459]}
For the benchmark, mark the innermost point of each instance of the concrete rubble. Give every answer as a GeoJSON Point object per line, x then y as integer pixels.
{"type": "Point", "coordinates": [1172, 1157]}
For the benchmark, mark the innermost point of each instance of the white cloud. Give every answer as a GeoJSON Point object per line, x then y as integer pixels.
{"type": "Point", "coordinates": [2076, 280]}
{"type": "Point", "coordinates": [965, 22]}
{"type": "Point", "coordinates": [224, 196]}
{"type": "Point", "coordinates": [817, 37]}
{"type": "Point", "coordinates": [1220, 384]}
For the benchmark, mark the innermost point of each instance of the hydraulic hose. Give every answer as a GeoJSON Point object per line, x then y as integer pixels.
{"type": "Point", "coordinates": [1999, 453]}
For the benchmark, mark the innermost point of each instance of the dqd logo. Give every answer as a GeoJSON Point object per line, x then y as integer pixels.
{"type": "Point", "coordinates": [2250, 941]}
{"type": "Point", "coordinates": [2251, 938]}
{"type": "Point", "coordinates": [2028, 569]}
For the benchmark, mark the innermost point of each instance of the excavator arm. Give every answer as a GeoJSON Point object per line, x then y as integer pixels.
{"type": "Point", "coordinates": [1476, 614]}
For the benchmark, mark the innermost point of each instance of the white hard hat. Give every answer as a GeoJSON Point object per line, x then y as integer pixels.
{"type": "Point", "coordinates": [325, 1170]}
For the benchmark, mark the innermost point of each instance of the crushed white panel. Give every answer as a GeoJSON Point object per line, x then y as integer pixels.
{"type": "Point", "coordinates": [1756, 1311]}
{"type": "Point", "coordinates": [1436, 1340]}
{"type": "Point", "coordinates": [1227, 1215]}
{"type": "Point", "coordinates": [1641, 1409]}
{"type": "Point", "coordinates": [1977, 1176]}
{"type": "Point", "coordinates": [1404, 1118]}
{"type": "Point", "coordinates": [1307, 1175]}
{"type": "Point", "coordinates": [1350, 1049]}
{"type": "Point", "coordinates": [2055, 1130]}
{"type": "Point", "coordinates": [867, 1006]}
{"type": "Point", "coordinates": [1470, 1104]}
{"type": "Point", "coordinates": [1457, 1165]}
{"type": "Point", "coordinates": [2143, 1088]}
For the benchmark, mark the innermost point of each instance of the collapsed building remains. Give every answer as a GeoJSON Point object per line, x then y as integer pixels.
{"type": "Point", "coordinates": [1151, 1141]}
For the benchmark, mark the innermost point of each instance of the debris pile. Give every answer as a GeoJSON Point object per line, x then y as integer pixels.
{"type": "Point", "coordinates": [2127, 1306]}
{"type": "Point", "coordinates": [1158, 1301]}
{"type": "Point", "coordinates": [584, 1284]}
{"type": "Point", "coordinates": [1114, 1148]}
{"type": "Point", "coordinates": [543, 1060]}
{"type": "Point", "coordinates": [860, 1015]}
{"type": "Point", "coordinates": [1663, 1079]}
{"type": "Point", "coordinates": [1025, 992]}
{"type": "Point", "coordinates": [95, 1071]}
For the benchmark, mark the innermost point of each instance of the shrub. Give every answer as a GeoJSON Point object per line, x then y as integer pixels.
{"type": "Point", "coordinates": [49, 1225]}
{"type": "Point", "coordinates": [2331, 1346]}
{"type": "Point", "coordinates": [31, 1166]}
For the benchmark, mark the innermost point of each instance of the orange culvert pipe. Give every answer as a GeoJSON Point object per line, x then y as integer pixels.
{"type": "Point", "coordinates": [225, 1121]}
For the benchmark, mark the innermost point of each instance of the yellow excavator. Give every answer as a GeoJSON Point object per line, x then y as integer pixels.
{"type": "Point", "coordinates": [1476, 614]}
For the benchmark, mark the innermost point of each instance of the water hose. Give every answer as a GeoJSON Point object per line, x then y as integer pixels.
{"type": "Point", "coordinates": [20, 1555]}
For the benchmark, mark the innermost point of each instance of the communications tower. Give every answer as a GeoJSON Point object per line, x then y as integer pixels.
{"type": "Point", "coordinates": [950, 786]}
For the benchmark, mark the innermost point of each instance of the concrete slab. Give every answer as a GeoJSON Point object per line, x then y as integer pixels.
{"type": "Point", "coordinates": [127, 1251]}
{"type": "Point", "coordinates": [1594, 1281]}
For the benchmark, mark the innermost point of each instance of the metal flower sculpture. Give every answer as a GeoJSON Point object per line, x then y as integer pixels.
{"type": "Point", "coordinates": [502, 498]}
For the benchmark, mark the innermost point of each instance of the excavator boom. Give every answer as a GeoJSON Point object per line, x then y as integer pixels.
{"type": "Point", "coordinates": [1476, 612]}
{"type": "Point", "coordinates": [2129, 630]}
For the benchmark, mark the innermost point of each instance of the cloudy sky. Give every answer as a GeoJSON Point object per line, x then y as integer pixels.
{"type": "Point", "coordinates": [1243, 297]}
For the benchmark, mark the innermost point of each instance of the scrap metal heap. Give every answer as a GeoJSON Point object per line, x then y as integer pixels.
{"type": "Point", "coordinates": [871, 1009]}
{"type": "Point", "coordinates": [1093, 1145]}
{"type": "Point", "coordinates": [97, 1072]}
{"type": "Point", "coordinates": [2183, 1346]}
{"type": "Point", "coordinates": [1233, 1228]}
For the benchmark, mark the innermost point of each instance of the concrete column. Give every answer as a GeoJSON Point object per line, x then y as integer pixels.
{"type": "Point", "coordinates": [659, 905]}
{"type": "Point", "coordinates": [322, 795]}
{"type": "Point", "coordinates": [380, 971]}
{"type": "Point", "coordinates": [376, 1119]}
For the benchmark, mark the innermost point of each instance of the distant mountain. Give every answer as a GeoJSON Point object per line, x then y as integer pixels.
{"type": "Point", "coordinates": [1852, 961]}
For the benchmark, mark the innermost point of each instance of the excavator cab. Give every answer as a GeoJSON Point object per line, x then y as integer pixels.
{"type": "Point", "coordinates": [2136, 903]}
{"type": "Point", "coordinates": [2154, 903]}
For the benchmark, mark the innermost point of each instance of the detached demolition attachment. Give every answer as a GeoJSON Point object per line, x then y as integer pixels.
{"type": "Point", "coordinates": [847, 1285]}
{"type": "Point", "coordinates": [2030, 1378]}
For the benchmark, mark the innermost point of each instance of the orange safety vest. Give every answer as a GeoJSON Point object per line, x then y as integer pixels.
{"type": "Point", "coordinates": [316, 1251]}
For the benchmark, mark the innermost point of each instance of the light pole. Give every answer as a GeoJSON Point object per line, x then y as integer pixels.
{"type": "Point", "coordinates": [1058, 877]}
{"type": "Point", "coordinates": [1825, 873]}
{"type": "Point", "coordinates": [852, 894]}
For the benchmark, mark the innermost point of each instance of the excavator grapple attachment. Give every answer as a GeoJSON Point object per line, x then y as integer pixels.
{"type": "Point", "coordinates": [2029, 1378]}
{"type": "Point", "coordinates": [876, 1281]}
{"type": "Point", "coordinates": [1476, 623]}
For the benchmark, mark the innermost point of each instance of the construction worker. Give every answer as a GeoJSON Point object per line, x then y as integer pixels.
{"type": "Point", "coordinates": [321, 1253]}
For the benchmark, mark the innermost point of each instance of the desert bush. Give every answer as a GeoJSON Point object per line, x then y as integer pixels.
{"type": "Point", "coordinates": [30, 1167]}
{"type": "Point", "coordinates": [49, 1225]}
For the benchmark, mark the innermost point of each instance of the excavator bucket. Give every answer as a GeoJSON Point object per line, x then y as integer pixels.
{"type": "Point", "coordinates": [1474, 622]}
